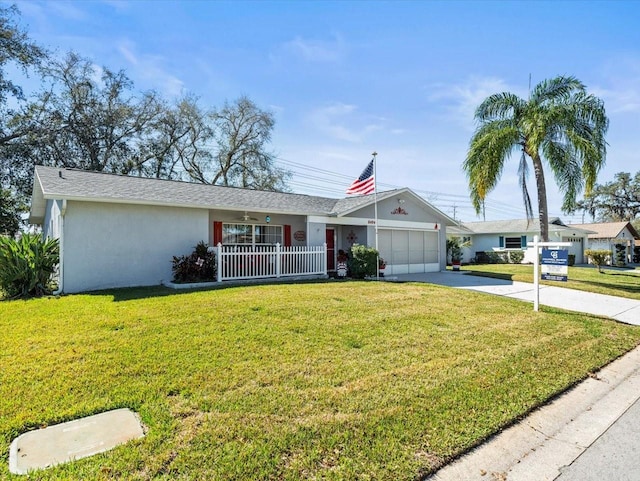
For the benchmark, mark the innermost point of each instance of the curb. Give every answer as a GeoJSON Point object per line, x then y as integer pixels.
{"type": "Point", "coordinates": [552, 437]}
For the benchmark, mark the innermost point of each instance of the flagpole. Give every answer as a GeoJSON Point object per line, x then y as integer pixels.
{"type": "Point", "coordinates": [375, 208]}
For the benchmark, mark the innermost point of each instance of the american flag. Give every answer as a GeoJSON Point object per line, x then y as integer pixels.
{"type": "Point", "coordinates": [365, 184]}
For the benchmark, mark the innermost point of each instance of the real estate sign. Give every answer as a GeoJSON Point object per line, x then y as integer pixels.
{"type": "Point", "coordinates": [554, 264]}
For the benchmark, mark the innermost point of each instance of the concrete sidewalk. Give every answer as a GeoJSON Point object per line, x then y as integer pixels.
{"type": "Point", "coordinates": [589, 433]}
{"type": "Point", "coordinates": [618, 308]}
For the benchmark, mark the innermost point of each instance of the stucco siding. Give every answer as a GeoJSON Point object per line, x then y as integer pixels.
{"type": "Point", "coordinates": [121, 245]}
{"type": "Point", "coordinates": [484, 243]}
{"type": "Point", "coordinates": [316, 233]}
{"type": "Point", "coordinates": [51, 223]}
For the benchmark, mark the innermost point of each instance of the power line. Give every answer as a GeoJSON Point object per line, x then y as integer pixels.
{"type": "Point", "coordinates": [324, 182]}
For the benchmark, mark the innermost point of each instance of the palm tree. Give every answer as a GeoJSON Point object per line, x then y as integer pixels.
{"type": "Point", "coordinates": [560, 124]}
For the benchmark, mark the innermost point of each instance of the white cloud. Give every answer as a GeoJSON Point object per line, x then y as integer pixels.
{"type": "Point", "coordinates": [67, 10]}
{"type": "Point", "coordinates": [150, 70]}
{"type": "Point", "coordinates": [620, 101]}
{"type": "Point", "coordinates": [342, 122]}
{"type": "Point", "coordinates": [621, 86]}
{"type": "Point", "coordinates": [461, 100]}
{"type": "Point", "coordinates": [118, 5]}
{"type": "Point", "coordinates": [313, 50]}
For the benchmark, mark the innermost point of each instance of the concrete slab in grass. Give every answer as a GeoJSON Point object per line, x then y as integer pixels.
{"type": "Point", "coordinates": [73, 440]}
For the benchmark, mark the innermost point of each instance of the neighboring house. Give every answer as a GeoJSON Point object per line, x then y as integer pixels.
{"type": "Point", "coordinates": [118, 231]}
{"type": "Point", "coordinates": [511, 235]}
{"type": "Point", "coordinates": [605, 235]}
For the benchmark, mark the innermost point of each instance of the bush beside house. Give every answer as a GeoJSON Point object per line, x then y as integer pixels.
{"type": "Point", "coordinates": [621, 255]}
{"type": "Point", "coordinates": [27, 265]}
{"type": "Point", "coordinates": [499, 257]}
{"type": "Point", "coordinates": [597, 257]}
{"type": "Point", "coordinates": [454, 252]}
{"type": "Point", "coordinates": [199, 266]}
{"type": "Point", "coordinates": [363, 261]}
{"type": "Point", "coordinates": [515, 257]}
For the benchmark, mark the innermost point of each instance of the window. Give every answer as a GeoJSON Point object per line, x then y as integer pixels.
{"type": "Point", "coordinates": [513, 242]}
{"type": "Point", "coordinates": [268, 234]}
{"type": "Point", "coordinates": [237, 234]}
{"type": "Point", "coordinates": [250, 234]}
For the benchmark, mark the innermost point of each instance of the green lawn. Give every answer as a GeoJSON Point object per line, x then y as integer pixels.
{"type": "Point", "coordinates": [613, 281]}
{"type": "Point", "coordinates": [335, 380]}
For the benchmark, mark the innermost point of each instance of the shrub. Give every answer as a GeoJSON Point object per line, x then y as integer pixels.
{"type": "Point", "coordinates": [454, 249]}
{"type": "Point", "coordinates": [363, 261]}
{"type": "Point", "coordinates": [572, 259]}
{"type": "Point", "coordinates": [27, 265]}
{"type": "Point", "coordinates": [597, 257]}
{"type": "Point", "coordinates": [497, 257]}
{"type": "Point", "coordinates": [621, 255]}
{"type": "Point", "coordinates": [515, 257]}
{"type": "Point", "coordinates": [200, 266]}
{"type": "Point", "coordinates": [482, 257]}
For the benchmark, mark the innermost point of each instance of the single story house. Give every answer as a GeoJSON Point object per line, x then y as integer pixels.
{"type": "Point", "coordinates": [119, 231]}
{"type": "Point", "coordinates": [515, 235]}
{"type": "Point", "coordinates": [605, 235]}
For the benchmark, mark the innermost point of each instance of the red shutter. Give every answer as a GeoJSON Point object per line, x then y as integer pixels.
{"type": "Point", "coordinates": [287, 236]}
{"type": "Point", "coordinates": [217, 233]}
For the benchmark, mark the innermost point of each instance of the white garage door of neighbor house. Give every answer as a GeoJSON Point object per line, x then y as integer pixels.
{"type": "Point", "coordinates": [575, 248]}
{"type": "Point", "coordinates": [409, 251]}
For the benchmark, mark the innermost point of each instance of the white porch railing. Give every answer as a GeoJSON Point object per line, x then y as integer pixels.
{"type": "Point", "coordinates": [240, 262]}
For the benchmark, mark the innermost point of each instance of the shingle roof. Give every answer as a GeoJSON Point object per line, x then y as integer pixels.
{"type": "Point", "coordinates": [72, 184]}
{"type": "Point", "coordinates": [607, 230]}
{"type": "Point", "coordinates": [459, 230]}
{"type": "Point", "coordinates": [516, 226]}
{"type": "Point", "coordinates": [502, 226]}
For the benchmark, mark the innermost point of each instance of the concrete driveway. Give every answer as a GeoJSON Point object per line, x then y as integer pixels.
{"type": "Point", "coordinates": [618, 308]}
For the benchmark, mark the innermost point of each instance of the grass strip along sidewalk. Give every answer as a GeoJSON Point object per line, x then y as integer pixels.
{"type": "Point", "coordinates": [332, 380]}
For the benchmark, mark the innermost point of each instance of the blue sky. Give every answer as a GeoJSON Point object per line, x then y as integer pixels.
{"type": "Point", "coordinates": [345, 78]}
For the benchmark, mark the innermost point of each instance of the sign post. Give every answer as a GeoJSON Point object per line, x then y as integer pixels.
{"type": "Point", "coordinates": [555, 265]}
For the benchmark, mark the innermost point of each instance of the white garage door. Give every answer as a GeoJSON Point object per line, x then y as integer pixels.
{"type": "Point", "coordinates": [575, 248]}
{"type": "Point", "coordinates": [409, 251]}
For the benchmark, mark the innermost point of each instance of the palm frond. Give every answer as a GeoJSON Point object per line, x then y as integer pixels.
{"type": "Point", "coordinates": [503, 105]}
{"type": "Point", "coordinates": [582, 124]}
{"type": "Point", "coordinates": [523, 174]}
{"type": "Point", "coordinates": [565, 163]}
{"type": "Point", "coordinates": [490, 147]}
{"type": "Point", "coordinates": [560, 124]}
{"type": "Point", "coordinates": [555, 89]}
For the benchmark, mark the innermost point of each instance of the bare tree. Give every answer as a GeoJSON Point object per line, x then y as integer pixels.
{"type": "Point", "coordinates": [242, 132]}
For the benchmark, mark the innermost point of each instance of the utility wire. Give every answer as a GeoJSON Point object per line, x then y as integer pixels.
{"type": "Point", "coordinates": [319, 181]}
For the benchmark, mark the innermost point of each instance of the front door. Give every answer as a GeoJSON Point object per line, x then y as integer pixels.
{"type": "Point", "coordinates": [331, 249]}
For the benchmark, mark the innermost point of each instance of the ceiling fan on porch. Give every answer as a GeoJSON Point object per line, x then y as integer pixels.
{"type": "Point", "coordinates": [246, 217]}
